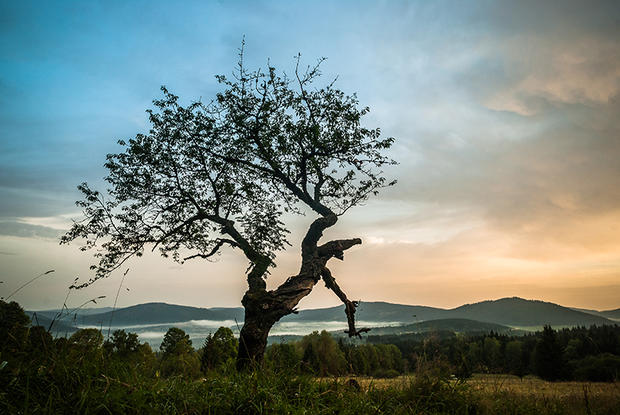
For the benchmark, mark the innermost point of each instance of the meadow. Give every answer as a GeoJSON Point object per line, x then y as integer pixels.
{"type": "Point", "coordinates": [88, 374]}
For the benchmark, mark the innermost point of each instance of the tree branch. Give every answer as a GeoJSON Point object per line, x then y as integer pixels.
{"type": "Point", "coordinates": [335, 249]}
{"type": "Point", "coordinates": [213, 251]}
{"type": "Point", "coordinates": [349, 306]}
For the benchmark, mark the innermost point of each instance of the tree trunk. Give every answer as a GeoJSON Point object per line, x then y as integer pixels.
{"type": "Point", "coordinates": [256, 326]}
{"type": "Point", "coordinates": [252, 343]}
{"type": "Point", "coordinates": [264, 308]}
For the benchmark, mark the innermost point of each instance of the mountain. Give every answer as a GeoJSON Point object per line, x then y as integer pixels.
{"type": "Point", "coordinates": [610, 314]}
{"type": "Point", "coordinates": [517, 312]}
{"type": "Point", "coordinates": [372, 311]}
{"type": "Point", "coordinates": [59, 327]}
{"type": "Point", "coordinates": [456, 325]}
{"type": "Point", "coordinates": [154, 313]}
{"type": "Point", "coordinates": [69, 313]}
{"type": "Point", "coordinates": [513, 312]}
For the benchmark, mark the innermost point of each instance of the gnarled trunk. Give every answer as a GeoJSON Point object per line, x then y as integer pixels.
{"type": "Point", "coordinates": [252, 342]}
{"type": "Point", "coordinates": [264, 308]}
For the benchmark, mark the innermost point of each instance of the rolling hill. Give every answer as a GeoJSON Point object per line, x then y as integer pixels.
{"type": "Point", "coordinates": [510, 312]}
{"type": "Point", "coordinates": [517, 312]}
{"type": "Point", "coordinates": [154, 313]}
{"type": "Point", "coordinates": [373, 311]}
{"type": "Point", "coordinates": [610, 314]}
{"type": "Point", "coordinates": [456, 325]}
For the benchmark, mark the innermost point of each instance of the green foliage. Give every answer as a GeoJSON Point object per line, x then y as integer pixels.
{"type": "Point", "coordinates": [222, 174]}
{"type": "Point", "coordinates": [218, 349]}
{"type": "Point", "coordinates": [122, 343]}
{"type": "Point", "coordinates": [600, 368]}
{"type": "Point", "coordinates": [493, 353]}
{"type": "Point", "coordinates": [284, 357]}
{"type": "Point", "coordinates": [39, 339]}
{"type": "Point", "coordinates": [13, 328]}
{"type": "Point", "coordinates": [548, 359]}
{"type": "Point", "coordinates": [322, 356]}
{"type": "Point", "coordinates": [178, 356]}
{"type": "Point", "coordinates": [516, 358]}
{"type": "Point", "coordinates": [87, 339]}
{"type": "Point", "coordinates": [175, 342]}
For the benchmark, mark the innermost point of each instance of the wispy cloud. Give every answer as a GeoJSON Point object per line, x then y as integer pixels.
{"type": "Point", "coordinates": [27, 230]}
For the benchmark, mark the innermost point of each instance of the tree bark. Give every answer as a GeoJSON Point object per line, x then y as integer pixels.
{"type": "Point", "coordinates": [264, 308]}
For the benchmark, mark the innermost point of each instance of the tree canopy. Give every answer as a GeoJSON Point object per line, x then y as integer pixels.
{"type": "Point", "coordinates": [222, 174]}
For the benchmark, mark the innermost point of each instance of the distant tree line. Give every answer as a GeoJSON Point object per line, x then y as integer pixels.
{"type": "Point", "coordinates": [581, 353]}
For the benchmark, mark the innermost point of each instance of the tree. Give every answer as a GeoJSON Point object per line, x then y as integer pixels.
{"type": "Point", "coordinates": [178, 355]}
{"type": "Point", "coordinates": [491, 348]}
{"type": "Point", "coordinates": [87, 339]}
{"type": "Point", "coordinates": [122, 343]}
{"type": "Point", "coordinates": [284, 357]}
{"type": "Point", "coordinates": [548, 358]}
{"type": "Point", "coordinates": [13, 328]}
{"type": "Point", "coordinates": [218, 349]}
{"type": "Point", "coordinates": [515, 362]}
{"type": "Point", "coordinates": [223, 174]}
{"type": "Point", "coordinates": [322, 355]}
{"type": "Point", "coordinates": [176, 342]}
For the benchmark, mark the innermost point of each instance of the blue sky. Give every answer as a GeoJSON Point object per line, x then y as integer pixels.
{"type": "Point", "coordinates": [505, 116]}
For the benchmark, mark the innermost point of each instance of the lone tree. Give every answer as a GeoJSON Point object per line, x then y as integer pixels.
{"type": "Point", "coordinates": [222, 174]}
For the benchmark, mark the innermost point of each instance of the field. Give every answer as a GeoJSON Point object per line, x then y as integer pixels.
{"type": "Point", "coordinates": [511, 394]}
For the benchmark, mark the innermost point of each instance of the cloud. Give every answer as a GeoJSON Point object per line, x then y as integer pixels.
{"type": "Point", "coordinates": [27, 230]}
{"type": "Point", "coordinates": [559, 185]}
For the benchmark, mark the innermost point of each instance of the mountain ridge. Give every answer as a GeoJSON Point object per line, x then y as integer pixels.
{"type": "Point", "coordinates": [508, 311]}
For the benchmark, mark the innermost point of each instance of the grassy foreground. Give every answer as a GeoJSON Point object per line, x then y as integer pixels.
{"type": "Point", "coordinates": [268, 392]}
{"type": "Point", "coordinates": [514, 395]}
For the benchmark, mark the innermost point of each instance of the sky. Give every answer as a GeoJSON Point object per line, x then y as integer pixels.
{"type": "Point", "coordinates": [506, 117]}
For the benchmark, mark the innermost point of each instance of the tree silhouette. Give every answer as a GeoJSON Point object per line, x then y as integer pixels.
{"type": "Point", "coordinates": [175, 342]}
{"type": "Point", "coordinates": [222, 174]}
{"type": "Point", "coordinates": [218, 349]}
{"type": "Point", "coordinates": [548, 355]}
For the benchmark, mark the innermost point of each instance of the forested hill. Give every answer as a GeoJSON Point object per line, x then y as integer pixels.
{"type": "Point", "coordinates": [154, 313]}
{"type": "Point", "coordinates": [519, 312]}
{"type": "Point", "coordinates": [610, 314]}
{"type": "Point", "coordinates": [455, 325]}
{"type": "Point", "coordinates": [515, 312]}
{"type": "Point", "coordinates": [373, 311]}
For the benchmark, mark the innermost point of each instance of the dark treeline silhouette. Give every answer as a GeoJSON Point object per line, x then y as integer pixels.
{"type": "Point", "coordinates": [580, 353]}
{"type": "Point", "coordinates": [591, 354]}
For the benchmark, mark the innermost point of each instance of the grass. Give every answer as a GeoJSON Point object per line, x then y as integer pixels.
{"type": "Point", "coordinates": [507, 394]}
{"type": "Point", "coordinates": [117, 390]}
{"type": "Point", "coordinates": [510, 394]}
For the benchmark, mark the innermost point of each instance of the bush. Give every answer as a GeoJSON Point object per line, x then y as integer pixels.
{"type": "Point", "coordinates": [602, 368]}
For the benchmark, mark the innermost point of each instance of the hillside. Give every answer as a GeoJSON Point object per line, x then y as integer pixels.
{"type": "Point", "coordinates": [518, 312]}
{"type": "Point", "coordinates": [60, 327]}
{"type": "Point", "coordinates": [456, 325]}
{"type": "Point", "coordinates": [514, 312]}
{"type": "Point", "coordinates": [373, 311]}
{"type": "Point", "coordinates": [153, 313]}
{"type": "Point", "coordinates": [610, 314]}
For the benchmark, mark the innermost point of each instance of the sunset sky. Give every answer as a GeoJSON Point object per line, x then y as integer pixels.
{"type": "Point", "coordinates": [506, 117]}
